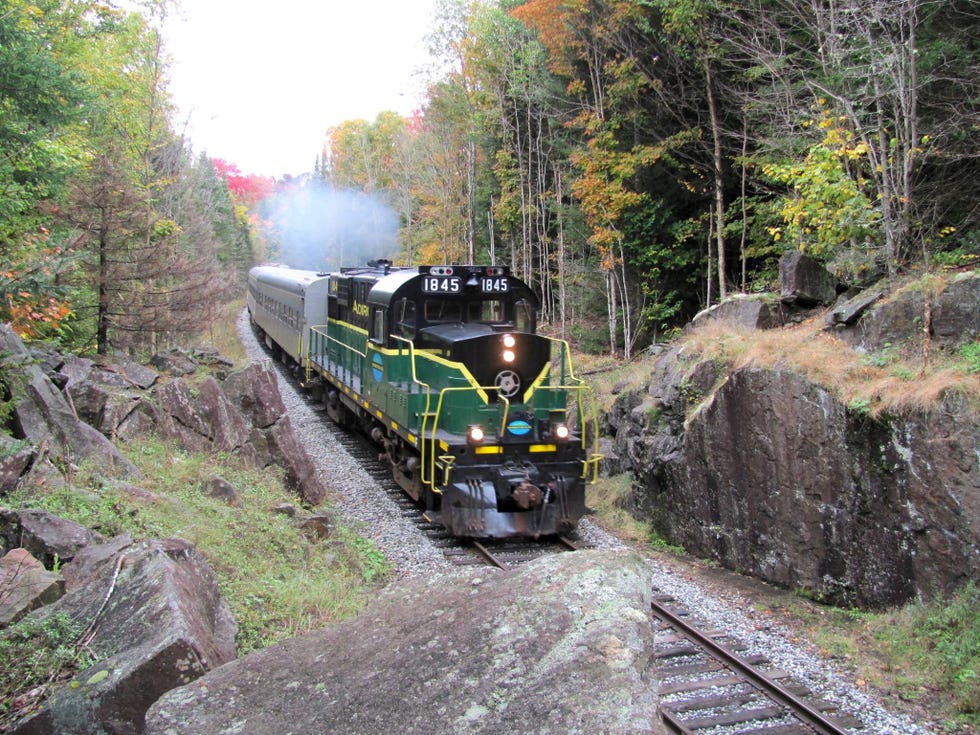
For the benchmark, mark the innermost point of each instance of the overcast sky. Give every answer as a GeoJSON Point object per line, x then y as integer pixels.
{"type": "Point", "coordinates": [258, 84]}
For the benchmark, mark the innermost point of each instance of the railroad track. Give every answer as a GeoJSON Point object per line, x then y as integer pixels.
{"type": "Point", "coordinates": [508, 553]}
{"type": "Point", "coordinates": [500, 553]}
{"type": "Point", "coordinates": [707, 685]}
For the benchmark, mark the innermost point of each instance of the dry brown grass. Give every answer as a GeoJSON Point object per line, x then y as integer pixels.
{"type": "Point", "coordinates": [221, 334]}
{"type": "Point", "coordinates": [873, 382]}
{"type": "Point", "coordinates": [604, 373]}
{"type": "Point", "coordinates": [607, 498]}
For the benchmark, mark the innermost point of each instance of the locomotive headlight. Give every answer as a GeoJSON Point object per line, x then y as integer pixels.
{"type": "Point", "coordinates": [475, 434]}
{"type": "Point", "coordinates": [509, 340]}
{"type": "Point", "coordinates": [509, 356]}
{"type": "Point", "coordinates": [561, 432]}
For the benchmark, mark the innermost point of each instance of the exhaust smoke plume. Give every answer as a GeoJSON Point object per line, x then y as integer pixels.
{"type": "Point", "coordinates": [317, 227]}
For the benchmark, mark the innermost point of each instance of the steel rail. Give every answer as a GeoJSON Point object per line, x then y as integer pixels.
{"type": "Point", "coordinates": [567, 543]}
{"type": "Point", "coordinates": [777, 693]}
{"type": "Point", "coordinates": [485, 553]}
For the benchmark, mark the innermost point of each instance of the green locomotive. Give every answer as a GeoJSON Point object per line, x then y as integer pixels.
{"type": "Point", "coordinates": [480, 417]}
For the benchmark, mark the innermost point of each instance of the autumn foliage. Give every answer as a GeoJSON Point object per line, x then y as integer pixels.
{"type": "Point", "coordinates": [30, 300]}
{"type": "Point", "coordinates": [247, 189]}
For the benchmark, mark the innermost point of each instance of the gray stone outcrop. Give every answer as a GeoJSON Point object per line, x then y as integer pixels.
{"type": "Point", "coordinates": [42, 415]}
{"type": "Point", "coordinates": [25, 585]}
{"type": "Point", "coordinates": [804, 281]}
{"type": "Point", "coordinates": [105, 395]}
{"type": "Point", "coordinates": [773, 476]}
{"type": "Point", "coordinates": [68, 410]}
{"type": "Point", "coordinates": [16, 458]}
{"type": "Point", "coordinates": [201, 418]}
{"type": "Point", "coordinates": [51, 539]}
{"type": "Point", "coordinates": [150, 610]}
{"type": "Point", "coordinates": [256, 393]}
{"type": "Point", "coordinates": [155, 620]}
{"type": "Point", "coordinates": [948, 317]}
{"type": "Point", "coordinates": [562, 646]}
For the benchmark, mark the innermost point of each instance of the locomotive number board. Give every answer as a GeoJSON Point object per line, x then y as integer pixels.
{"type": "Point", "coordinates": [441, 284]}
{"type": "Point", "coordinates": [454, 284]}
{"type": "Point", "coordinates": [494, 284]}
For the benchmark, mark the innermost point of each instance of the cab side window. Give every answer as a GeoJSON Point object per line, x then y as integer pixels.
{"type": "Point", "coordinates": [378, 326]}
{"type": "Point", "coordinates": [405, 318]}
{"type": "Point", "coordinates": [524, 316]}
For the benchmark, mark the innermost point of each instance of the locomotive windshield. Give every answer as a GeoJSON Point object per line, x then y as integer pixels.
{"type": "Point", "coordinates": [450, 310]}
{"type": "Point", "coordinates": [439, 311]}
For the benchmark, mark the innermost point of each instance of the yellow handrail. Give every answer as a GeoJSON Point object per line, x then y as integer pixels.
{"type": "Point", "coordinates": [324, 331]}
{"type": "Point", "coordinates": [431, 419]}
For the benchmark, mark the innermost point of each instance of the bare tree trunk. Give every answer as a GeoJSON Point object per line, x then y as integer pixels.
{"type": "Point", "coordinates": [627, 315]}
{"type": "Point", "coordinates": [719, 184]}
{"type": "Point", "coordinates": [745, 211]}
{"type": "Point", "coordinates": [709, 300]}
{"type": "Point", "coordinates": [611, 308]}
{"type": "Point", "coordinates": [562, 268]}
{"type": "Point", "coordinates": [102, 316]}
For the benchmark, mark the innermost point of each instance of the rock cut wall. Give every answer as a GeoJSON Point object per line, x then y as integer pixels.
{"type": "Point", "coordinates": [772, 475]}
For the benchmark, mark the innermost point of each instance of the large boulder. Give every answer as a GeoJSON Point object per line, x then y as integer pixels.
{"type": "Point", "coordinates": [25, 585]}
{"type": "Point", "coordinates": [289, 452]}
{"type": "Point", "coordinates": [16, 458]}
{"type": "Point", "coordinates": [255, 390]}
{"type": "Point", "coordinates": [42, 415]}
{"type": "Point", "coordinates": [804, 281]}
{"type": "Point", "coordinates": [749, 312]}
{"type": "Point", "coordinates": [201, 418]}
{"type": "Point", "coordinates": [561, 646]}
{"type": "Point", "coordinates": [51, 539]}
{"type": "Point", "coordinates": [104, 395]}
{"type": "Point", "coordinates": [153, 616]}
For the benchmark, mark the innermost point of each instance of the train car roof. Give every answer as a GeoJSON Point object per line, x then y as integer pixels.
{"type": "Point", "coordinates": [383, 292]}
{"type": "Point", "coordinates": [288, 279]}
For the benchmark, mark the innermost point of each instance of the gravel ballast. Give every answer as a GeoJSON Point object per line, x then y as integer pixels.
{"type": "Point", "coordinates": [362, 504]}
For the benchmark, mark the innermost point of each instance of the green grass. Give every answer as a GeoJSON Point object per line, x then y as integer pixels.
{"type": "Point", "coordinates": [933, 649]}
{"type": "Point", "coordinates": [34, 654]}
{"type": "Point", "coordinates": [606, 498]}
{"type": "Point", "coordinates": [925, 654]}
{"type": "Point", "coordinates": [970, 354]}
{"type": "Point", "coordinates": [278, 582]}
